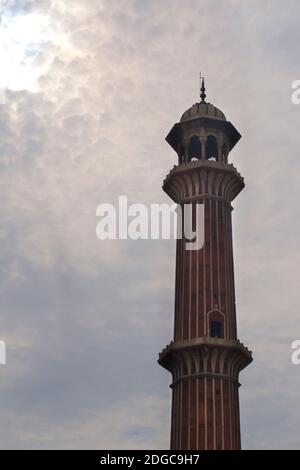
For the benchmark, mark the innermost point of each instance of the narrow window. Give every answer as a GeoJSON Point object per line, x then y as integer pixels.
{"type": "Point", "coordinates": [216, 329]}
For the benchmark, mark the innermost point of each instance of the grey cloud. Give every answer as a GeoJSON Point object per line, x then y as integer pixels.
{"type": "Point", "coordinates": [84, 320]}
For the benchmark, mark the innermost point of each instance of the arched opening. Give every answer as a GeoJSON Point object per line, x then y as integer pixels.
{"type": "Point", "coordinates": [194, 151]}
{"type": "Point", "coordinates": [211, 148]}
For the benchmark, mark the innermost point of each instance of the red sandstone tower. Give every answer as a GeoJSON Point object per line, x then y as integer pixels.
{"type": "Point", "coordinates": [205, 357]}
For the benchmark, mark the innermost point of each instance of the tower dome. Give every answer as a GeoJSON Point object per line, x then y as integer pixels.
{"type": "Point", "coordinates": [202, 109]}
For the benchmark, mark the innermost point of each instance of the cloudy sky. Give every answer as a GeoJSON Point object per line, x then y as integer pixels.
{"type": "Point", "coordinates": [92, 89]}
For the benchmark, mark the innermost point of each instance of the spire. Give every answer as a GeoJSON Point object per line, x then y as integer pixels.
{"type": "Point", "coordinates": [203, 94]}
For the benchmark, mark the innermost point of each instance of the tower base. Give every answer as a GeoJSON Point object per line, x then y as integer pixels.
{"type": "Point", "coordinates": [205, 401]}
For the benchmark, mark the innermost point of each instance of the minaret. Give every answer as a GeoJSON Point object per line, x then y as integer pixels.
{"type": "Point", "coordinates": [205, 357]}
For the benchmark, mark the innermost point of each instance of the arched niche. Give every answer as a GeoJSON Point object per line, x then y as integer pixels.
{"type": "Point", "coordinates": [216, 324]}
